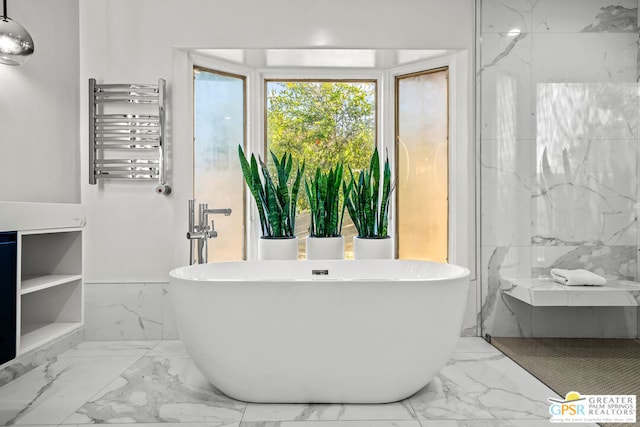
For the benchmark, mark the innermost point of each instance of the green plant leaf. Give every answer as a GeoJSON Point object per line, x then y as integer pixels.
{"type": "Point", "coordinates": [346, 192]}
{"type": "Point", "coordinates": [275, 209]}
{"type": "Point", "coordinates": [375, 191]}
{"type": "Point", "coordinates": [276, 204]}
{"type": "Point", "coordinates": [308, 186]}
{"type": "Point", "coordinates": [254, 187]}
{"type": "Point", "coordinates": [367, 203]}
{"type": "Point", "coordinates": [327, 205]}
{"type": "Point", "coordinates": [282, 188]}
{"type": "Point", "coordinates": [294, 196]}
{"type": "Point", "coordinates": [384, 203]}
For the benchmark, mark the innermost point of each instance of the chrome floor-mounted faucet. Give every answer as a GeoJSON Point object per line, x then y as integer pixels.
{"type": "Point", "coordinates": [200, 233]}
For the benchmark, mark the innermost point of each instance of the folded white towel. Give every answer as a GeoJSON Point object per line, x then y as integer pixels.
{"type": "Point", "coordinates": [577, 277]}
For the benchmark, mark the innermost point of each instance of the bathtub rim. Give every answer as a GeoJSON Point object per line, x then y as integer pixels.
{"type": "Point", "coordinates": [181, 273]}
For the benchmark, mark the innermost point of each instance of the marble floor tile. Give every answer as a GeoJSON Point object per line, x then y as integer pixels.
{"type": "Point", "coordinates": [156, 384]}
{"type": "Point", "coordinates": [367, 423]}
{"type": "Point", "coordinates": [158, 389]}
{"type": "Point", "coordinates": [482, 386]}
{"type": "Point", "coordinates": [116, 348]}
{"type": "Point", "coordinates": [494, 423]}
{"type": "Point", "coordinates": [38, 356]}
{"type": "Point", "coordinates": [52, 392]}
{"type": "Point", "coordinates": [474, 345]}
{"type": "Point", "coordinates": [169, 348]}
{"type": "Point", "coordinates": [328, 412]}
{"type": "Point", "coordinates": [208, 424]}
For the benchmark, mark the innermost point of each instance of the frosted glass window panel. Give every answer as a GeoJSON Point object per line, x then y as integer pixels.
{"type": "Point", "coordinates": [219, 127]}
{"type": "Point", "coordinates": [422, 165]}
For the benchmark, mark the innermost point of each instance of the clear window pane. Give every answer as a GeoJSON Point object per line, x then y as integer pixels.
{"type": "Point", "coordinates": [322, 122]}
{"type": "Point", "coordinates": [422, 165]}
{"type": "Point", "coordinates": [219, 126]}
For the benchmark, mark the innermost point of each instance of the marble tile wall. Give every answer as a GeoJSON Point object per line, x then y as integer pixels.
{"type": "Point", "coordinates": [144, 311]}
{"type": "Point", "coordinates": [559, 128]}
{"type": "Point", "coordinates": [128, 311]}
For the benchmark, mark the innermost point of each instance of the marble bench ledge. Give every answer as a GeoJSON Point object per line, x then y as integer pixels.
{"type": "Point", "coordinates": [546, 292]}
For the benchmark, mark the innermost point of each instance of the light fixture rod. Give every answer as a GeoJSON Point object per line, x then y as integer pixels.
{"type": "Point", "coordinates": [4, 8]}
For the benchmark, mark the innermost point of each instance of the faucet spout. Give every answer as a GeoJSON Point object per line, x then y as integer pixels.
{"type": "Point", "coordinates": [225, 212]}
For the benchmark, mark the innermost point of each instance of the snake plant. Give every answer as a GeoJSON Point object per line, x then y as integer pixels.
{"type": "Point", "coordinates": [368, 203]}
{"type": "Point", "coordinates": [325, 203]}
{"type": "Point", "coordinates": [276, 201]}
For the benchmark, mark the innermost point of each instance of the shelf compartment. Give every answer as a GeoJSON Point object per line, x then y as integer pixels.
{"type": "Point", "coordinates": [51, 253]}
{"type": "Point", "coordinates": [36, 334]}
{"type": "Point", "coordinates": [50, 313]}
{"type": "Point", "coordinates": [38, 283]}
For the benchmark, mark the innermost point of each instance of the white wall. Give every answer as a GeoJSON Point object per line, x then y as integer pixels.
{"type": "Point", "coordinates": [39, 107]}
{"type": "Point", "coordinates": [132, 232]}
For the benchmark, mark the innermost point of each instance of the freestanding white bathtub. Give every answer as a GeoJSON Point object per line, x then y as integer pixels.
{"type": "Point", "coordinates": [320, 331]}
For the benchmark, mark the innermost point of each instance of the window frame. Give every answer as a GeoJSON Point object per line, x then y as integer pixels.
{"type": "Point", "coordinates": [396, 126]}
{"type": "Point", "coordinates": [460, 243]}
{"type": "Point", "coordinates": [259, 143]}
{"type": "Point", "coordinates": [376, 101]}
{"type": "Point", "coordinates": [198, 67]}
{"type": "Point", "coordinates": [463, 223]}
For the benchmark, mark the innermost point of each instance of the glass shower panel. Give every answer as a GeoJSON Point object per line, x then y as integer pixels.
{"type": "Point", "coordinates": [422, 165]}
{"type": "Point", "coordinates": [219, 127]}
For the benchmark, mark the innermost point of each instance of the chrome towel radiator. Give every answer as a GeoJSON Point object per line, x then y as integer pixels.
{"type": "Point", "coordinates": [127, 132]}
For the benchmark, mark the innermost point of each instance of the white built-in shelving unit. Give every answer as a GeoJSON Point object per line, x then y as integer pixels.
{"type": "Point", "coordinates": [49, 270]}
{"type": "Point", "coordinates": [50, 267]}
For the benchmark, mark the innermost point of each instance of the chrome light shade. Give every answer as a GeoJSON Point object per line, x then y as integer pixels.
{"type": "Point", "coordinates": [16, 44]}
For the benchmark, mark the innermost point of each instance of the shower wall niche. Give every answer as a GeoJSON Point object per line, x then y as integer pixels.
{"type": "Point", "coordinates": [558, 136]}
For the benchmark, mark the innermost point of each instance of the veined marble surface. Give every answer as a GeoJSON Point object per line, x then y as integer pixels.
{"type": "Point", "coordinates": [129, 311]}
{"type": "Point", "coordinates": [156, 384]}
{"type": "Point", "coordinates": [37, 357]}
{"type": "Point", "coordinates": [560, 16]}
{"type": "Point", "coordinates": [546, 292]}
{"type": "Point", "coordinates": [559, 150]}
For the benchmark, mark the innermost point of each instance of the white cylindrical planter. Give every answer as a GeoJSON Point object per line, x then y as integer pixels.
{"type": "Point", "coordinates": [277, 248]}
{"type": "Point", "coordinates": [372, 248]}
{"type": "Point", "coordinates": [325, 247]}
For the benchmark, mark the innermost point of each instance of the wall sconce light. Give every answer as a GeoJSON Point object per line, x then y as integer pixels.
{"type": "Point", "coordinates": [16, 44]}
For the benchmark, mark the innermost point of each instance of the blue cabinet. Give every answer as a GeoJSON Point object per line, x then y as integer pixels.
{"type": "Point", "coordinates": [8, 297]}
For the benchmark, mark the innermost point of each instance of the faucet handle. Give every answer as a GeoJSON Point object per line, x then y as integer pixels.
{"type": "Point", "coordinates": [212, 232]}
